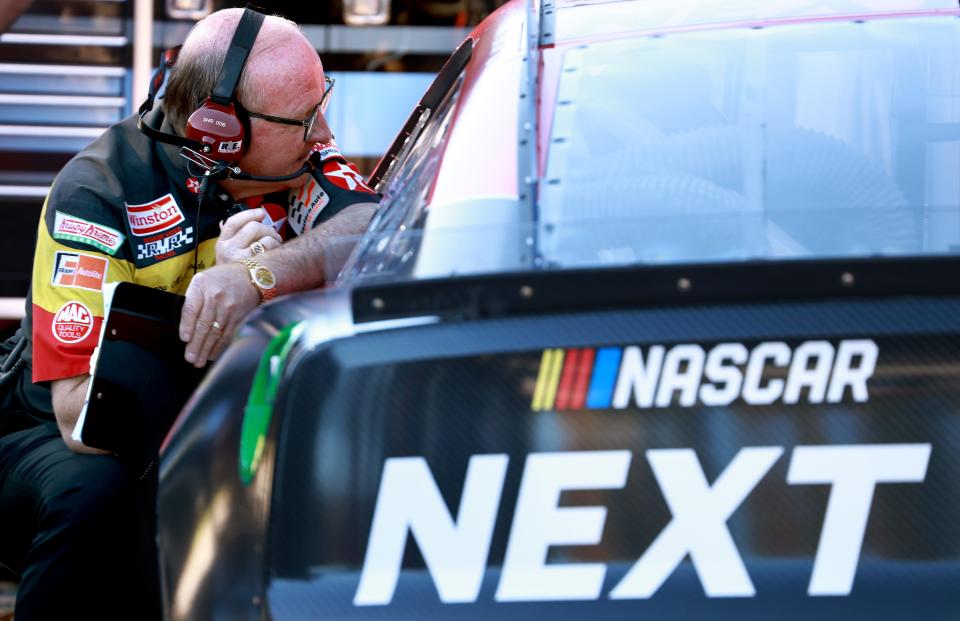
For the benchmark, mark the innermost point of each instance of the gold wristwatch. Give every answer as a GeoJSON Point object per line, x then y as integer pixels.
{"type": "Point", "coordinates": [262, 278]}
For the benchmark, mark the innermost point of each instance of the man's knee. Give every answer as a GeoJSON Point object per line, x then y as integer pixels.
{"type": "Point", "coordinates": [91, 493]}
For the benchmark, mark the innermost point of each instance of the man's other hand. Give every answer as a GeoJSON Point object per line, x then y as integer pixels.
{"type": "Point", "coordinates": [241, 230]}
{"type": "Point", "coordinates": [217, 302]}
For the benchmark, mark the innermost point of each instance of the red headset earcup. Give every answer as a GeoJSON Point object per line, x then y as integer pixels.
{"type": "Point", "coordinates": [219, 129]}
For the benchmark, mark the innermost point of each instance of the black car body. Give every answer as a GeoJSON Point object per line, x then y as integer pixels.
{"type": "Point", "coordinates": [660, 317]}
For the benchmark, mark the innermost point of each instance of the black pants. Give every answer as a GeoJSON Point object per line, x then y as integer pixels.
{"type": "Point", "coordinates": [79, 529]}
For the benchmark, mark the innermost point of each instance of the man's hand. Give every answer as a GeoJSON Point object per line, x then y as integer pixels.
{"type": "Point", "coordinates": [225, 293]}
{"type": "Point", "coordinates": [222, 294]}
{"type": "Point", "coordinates": [240, 231]}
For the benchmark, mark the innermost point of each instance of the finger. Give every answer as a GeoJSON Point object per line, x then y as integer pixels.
{"type": "Point", "coordinates": [238, 220]}
{"type": "Point", "coordinates": [268, 231]}
{"type": "Point", "coordinates": [251, 232]}
{"type": "Point", "coordinates": [221, 343]}
{"type": "Point", "coordinates": [192, 306]}
{"type": "Point", "coordinates": [195, 353]}
{"type": "Point", "coordinates": [269, 243]}
{"type": "Point", "coordinates": [208, 345]}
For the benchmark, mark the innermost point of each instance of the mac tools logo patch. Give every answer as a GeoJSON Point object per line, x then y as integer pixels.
{"type": "Point", "coordinates": [72, 323]}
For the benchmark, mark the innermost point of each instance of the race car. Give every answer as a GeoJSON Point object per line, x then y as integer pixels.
{"type": "Point", "coordinates": [659, 317]}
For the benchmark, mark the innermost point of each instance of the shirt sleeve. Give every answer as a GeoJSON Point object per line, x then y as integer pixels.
{"type": "Point", "coordinates": [334, 185]}
{"type": "Point", "coordinates": [79, 249]}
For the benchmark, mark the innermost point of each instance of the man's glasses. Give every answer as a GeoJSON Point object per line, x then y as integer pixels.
{"type": "Point", "coordinates": [309, 122]}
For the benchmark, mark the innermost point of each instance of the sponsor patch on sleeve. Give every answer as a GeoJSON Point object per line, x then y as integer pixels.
{"type": "Point", "coordinates": [77, 229]}
{"type": "Point", "coordinates": [345, 176]}
{"type": "Point", "coordinates": [153, 217]}
{"type": "Point", "coordinates": [72, 323]}
{"type": "Point", "coordinates": [79, 270]}
{"type": "Point", "coordinates": [306, 203]}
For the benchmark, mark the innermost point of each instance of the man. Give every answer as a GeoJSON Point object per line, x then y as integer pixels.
{"type": "Point", "coordinates": [76, 524]}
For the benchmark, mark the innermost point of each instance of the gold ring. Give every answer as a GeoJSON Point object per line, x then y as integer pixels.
{"type": "Point", "coordinates": [217, 325]}
{"type": "Point", "coordinates": [257, 247]}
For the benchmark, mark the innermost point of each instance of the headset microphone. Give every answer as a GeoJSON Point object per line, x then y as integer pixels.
{"type": "Point", "coordinates": [223, 170]}
{"type": "Point", "coordinates": [239, 175]}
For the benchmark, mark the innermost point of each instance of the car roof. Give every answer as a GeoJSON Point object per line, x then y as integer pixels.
{"type": "Point", "coordinates": [577, 20]}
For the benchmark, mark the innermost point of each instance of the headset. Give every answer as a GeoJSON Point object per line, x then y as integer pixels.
{"type": "Point", "coordinates": [218, 132]}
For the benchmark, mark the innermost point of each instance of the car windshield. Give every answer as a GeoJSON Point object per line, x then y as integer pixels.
{"type": "Point", "coordinates": [827, 140]}
{"type": "Point", "coordinates": [804, 141]}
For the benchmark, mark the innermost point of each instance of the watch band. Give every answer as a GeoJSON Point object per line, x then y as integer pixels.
{"type": "Point", "coordinates": [262, 278]}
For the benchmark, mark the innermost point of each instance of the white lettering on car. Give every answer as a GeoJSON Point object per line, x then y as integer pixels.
{"type": "Point", "coordinates": [456, 552]}
{"type": "Point", "coordinates": [539, 523]}
{"type": "Point", "coordinates": [655, 376]}
{"type": "Point", "coordinates": [853, 473]}
{"type": "Point", "coordinates": [699, 525]}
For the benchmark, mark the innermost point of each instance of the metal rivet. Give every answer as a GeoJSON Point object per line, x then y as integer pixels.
{"type": "Point", "coordinates": [684, 284]}
{"type": "Point", "coordinates": [99, 395]}
{"type": "Point", "coordinates": [255, 600]}
{"type": "Point", "coordinates": [526, 292]}
{"type": "Point", "coordinates": [113, 331]}
{"type": "Point", "coordinates": [847, 279]}
{"type": "Point", "coordinates": [377, 303]}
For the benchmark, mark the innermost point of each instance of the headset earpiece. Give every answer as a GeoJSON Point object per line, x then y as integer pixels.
{"type": "Point", "coordinates": [220, 129]}
{"type": "Point", "coordinates": [220, 124]}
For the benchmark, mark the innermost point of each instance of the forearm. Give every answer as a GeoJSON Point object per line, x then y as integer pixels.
{"type": "Point", "coordinates": [68, 396]}
{"type": "Point", "coordinates": [217, 300]}
{"type": "Point", "coordinates": [310, 260]}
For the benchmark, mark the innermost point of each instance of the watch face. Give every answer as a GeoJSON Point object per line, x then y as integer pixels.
{"type": "Point", "coordinates": [264, 278]}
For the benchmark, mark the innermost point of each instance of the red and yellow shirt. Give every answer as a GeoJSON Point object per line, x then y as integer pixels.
{"type": "Point", "coordinates": [127, 209]}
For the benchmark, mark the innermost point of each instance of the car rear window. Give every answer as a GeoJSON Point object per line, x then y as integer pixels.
{"type": "Point", "coordinates": [817, 140]}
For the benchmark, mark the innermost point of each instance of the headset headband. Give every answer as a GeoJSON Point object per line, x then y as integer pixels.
{"type": "Point", "coordinates": [243, 39]}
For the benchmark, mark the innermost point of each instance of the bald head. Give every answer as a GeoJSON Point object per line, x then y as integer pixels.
{"type": "Point", "coordinates": [279, 54]}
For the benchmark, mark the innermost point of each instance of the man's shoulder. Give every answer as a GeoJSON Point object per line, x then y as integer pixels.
{"type": "Point", "coordinates": [120, 149]}
{"type": "Point", "coordinates": [112, 170]}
